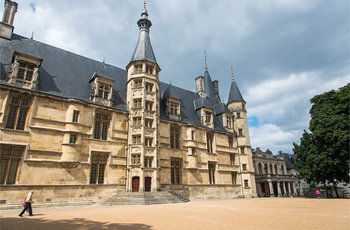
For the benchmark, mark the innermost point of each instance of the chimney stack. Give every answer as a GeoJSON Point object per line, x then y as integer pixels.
{"type": "Point", "coordinates": [216, 89]}
{"type": "Point", "coordinates": [6, 25]}
{"type": "Point", "coordinates": [200, 86]}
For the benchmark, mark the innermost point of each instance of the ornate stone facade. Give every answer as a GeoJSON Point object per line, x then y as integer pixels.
{"type": "Point", "coordinates": [90, 130]}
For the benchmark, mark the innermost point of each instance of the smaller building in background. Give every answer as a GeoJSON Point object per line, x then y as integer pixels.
{"type": "Point", "coordinates": [275, 175]}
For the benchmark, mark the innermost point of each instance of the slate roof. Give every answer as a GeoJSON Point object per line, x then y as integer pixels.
{"type": "Point", "coordinates": [66, 74]}
{"type": "Point", "coordinates": [62, 73]}
{"type": "Point", "coordinates": [234, 95]}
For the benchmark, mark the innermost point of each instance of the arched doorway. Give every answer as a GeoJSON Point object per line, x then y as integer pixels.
{"type": "Point", "coordinates": [148, 183]}
{"type": "Point", "coordinates": [135, 184]}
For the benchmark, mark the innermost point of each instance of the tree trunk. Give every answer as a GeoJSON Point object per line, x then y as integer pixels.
{"type": "Point", "coordinates": [325, 186]}
{"type": "Point", "coordinates": [335, 188]}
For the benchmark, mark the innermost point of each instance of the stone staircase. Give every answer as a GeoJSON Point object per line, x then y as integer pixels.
{"type": "Point", "coordinates": [146, 198]}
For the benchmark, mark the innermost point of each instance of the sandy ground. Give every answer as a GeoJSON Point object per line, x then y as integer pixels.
{"type": "Point", "coordinates": [259, 213]}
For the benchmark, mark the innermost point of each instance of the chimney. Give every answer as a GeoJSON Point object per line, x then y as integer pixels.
{"type": "Point", "coordinates": [216, 90]}
{"type": "Point", "coordinates": [6, 25]}
{"type": "Point", "coordinates": [200, 86]}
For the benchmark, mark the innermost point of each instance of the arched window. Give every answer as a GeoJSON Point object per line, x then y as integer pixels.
{"type": "Point", "coordinates": [259, 169]}
{"type": "Point", "coordinates": [282, 169]}
{"type": "Point", "coordinates": [266, 169]}
{"type": "Point", "coordinates": [271, 169]}
{"type": "Point", "coordinates": [276, 171]}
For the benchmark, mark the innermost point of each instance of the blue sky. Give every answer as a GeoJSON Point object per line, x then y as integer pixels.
{"type": "Point", "coordinates": [283, 52]}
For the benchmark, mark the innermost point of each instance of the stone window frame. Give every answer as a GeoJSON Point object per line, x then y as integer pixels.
{"type": "Point", "coordinates": [102, 122]}
{"type": "Point", "coordinates": [10, 163]}
{"type": "Point", "coordinates": [17, 111]}
{"type": "Point", "coordinates": [98, 167]}
{"type": "Point", "coordinates": [173, 108]}
{"type": "Point", "coordinates": [28, 67]}
{"type": "Point", "coordinates": [102, 90]}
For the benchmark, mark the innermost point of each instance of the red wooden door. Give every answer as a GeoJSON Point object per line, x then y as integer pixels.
{"type": "Point", "coordinates": [148, 182]}
{"type": "Point", "coordinates": [135, 184]}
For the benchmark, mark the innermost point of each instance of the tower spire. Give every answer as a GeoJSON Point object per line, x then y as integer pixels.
{"type": "Point", "coordinates": [233, 76]}
{"type": "Point", "coordinates": [144, 49]}
{"type": "Point", "coordinates": [205, 60]}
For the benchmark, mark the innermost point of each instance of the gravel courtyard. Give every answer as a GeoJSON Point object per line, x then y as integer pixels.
{"type": "Point", "coordinates": [258, 213]}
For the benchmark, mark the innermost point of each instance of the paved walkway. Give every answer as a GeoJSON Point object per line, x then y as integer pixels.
{"type": "Point", "coordinates": [259, 213]}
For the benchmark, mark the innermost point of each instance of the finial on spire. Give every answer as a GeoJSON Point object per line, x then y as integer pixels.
{"type": "Point", "coordinates": [32, 35]}
{"type": "Point", "coordinates": [205, 60]}
{"type": "Point", "coordinates": [233, 77]}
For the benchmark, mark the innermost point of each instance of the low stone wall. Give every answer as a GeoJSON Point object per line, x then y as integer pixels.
{"type": "Point", "coordinates": [200, 192]}
{"type": "Point", "coordinates": [14, 195]}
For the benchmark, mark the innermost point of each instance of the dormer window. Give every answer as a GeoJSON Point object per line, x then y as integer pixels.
{"type": "Point", "coordinates": [101, 90]}
{"type": "Point", "coordinates": [207, 118]}
{"type": "Point", "coordinates": [229, 121]}
{"type": "Point", "coordinates": [25, 71]}
{"type": "Point", "coordinates": [173, 108]}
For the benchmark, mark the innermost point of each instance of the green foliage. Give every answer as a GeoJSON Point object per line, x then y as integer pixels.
{"type": "Point", "coordinates": [323, 154]}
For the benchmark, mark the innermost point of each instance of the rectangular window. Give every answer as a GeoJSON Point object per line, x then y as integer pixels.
{"type": "Point", "coordinates": [174, 108]}
{"type": "Point", "coordinates": [103, 91]}
{"type": "Point", "coordinates": [176, 169]}
{"type": "Point", "coordinates": [135, 159]}
{"type": "Point", "coordinates": [138, 84]}
{"type": "Point", "coordinates": [232, 159]}
{"type": "Point", "coordinates": [193, 151]}
{"type": "Point", "coordinates": [17, 115]}
{"type": "Point", "coordinates": [138, 103]}
{"type": "Point", "coordinates": [234, 177]}
{"type": "Point", "coordinates": [75, 116]}
{"type": "Point", "coordinates": [210, 142]}
{"type": "Point", "coordinates": [246, 183]}
{"type": "Point", "coordinates": [136, 139]}
{"type": "Point", "coordinates": [238, 115]}
{"type": "Point", "coordinates": [148, 162]}
{"type": "Point", "coordinates": [148, 141]}
{"type": "Point", "coordinates": [174, 137]}
{"type": "Point", "coordinates": [149, 105]}
{"type": "Point", "coordinates": [229, 121]}
{"type": "Point", "coordinates": [208, 117]}
{"type": "Point", "coordinates": [230, 141]}
{"type": "Point", "coordinates": [242, 150]}
{"type": "Point", "coordinates": [10, 159]}
{"type": "Point", "coordinates": [148, 123]}
{"type": "Point", "coordinates": [211, 170]}
{"type": "Point", "coordinates": [240, 132]}
{"type": "Point", "coordinates": [73, 139]}
{"type": "Point", "coordinates": [101, 126]}
{"type": "Point", "coordinates": [149, 69]}
{"type": "Point", "coordinates": [149, 87]}
{"type": "Point", "coordinates": [244, 167]}
{"type": "Point", "coordinates": [98, 165]}
{"type": "Point", "coordinates": [25, 71]}
{"type": "Point", "coordinates": [192, 135]}
{"type": "Point", "coordinates": [138, 68]}
{"type": "Point", "coordinates": [136, 121]}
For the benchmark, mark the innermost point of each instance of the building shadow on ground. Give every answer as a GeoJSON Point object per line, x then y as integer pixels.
{"type": "Point", "coordinates": [29, 223]}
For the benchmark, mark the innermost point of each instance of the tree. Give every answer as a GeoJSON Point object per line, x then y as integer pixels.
{"type": "Point", "coordinates": [323, 154]}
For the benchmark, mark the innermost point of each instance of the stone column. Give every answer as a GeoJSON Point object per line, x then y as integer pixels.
{"type": "Point", "coordinates": [284, 188]}
{"type": "Point", "coordinates": [290, 191]}
{"type": "Point", "coordinates": [272, 193]}
{"type": "Point", "coordinates": [279, 189]}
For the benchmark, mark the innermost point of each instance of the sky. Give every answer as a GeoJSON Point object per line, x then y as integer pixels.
{"type": "Point", "coordinates": [282, 52]}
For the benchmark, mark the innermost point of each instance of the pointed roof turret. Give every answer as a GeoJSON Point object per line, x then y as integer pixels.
{"type": "Point", "coordinates": [234, 94]}
{"type": "Point", "coordinates": [208, 83]}
{"type": "Point", "coordinates": [144, 49]}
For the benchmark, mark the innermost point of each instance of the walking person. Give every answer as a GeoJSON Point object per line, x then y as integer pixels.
{"type": "Point", "coordinates": [318, 193]}
{"type": "Point", "coordinates": [28, 204]}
